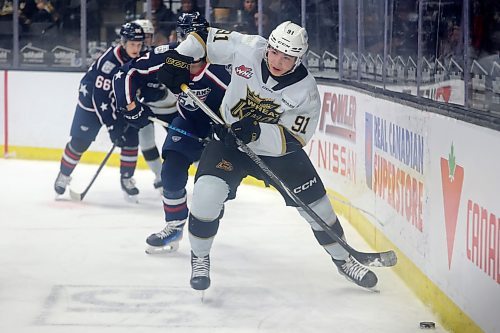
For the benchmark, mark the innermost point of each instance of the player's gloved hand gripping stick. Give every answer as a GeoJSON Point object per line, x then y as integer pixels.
{"type": "Point", "coordinates": [375, 259]}
{"type": "Point", "coordinates": [246, 129]}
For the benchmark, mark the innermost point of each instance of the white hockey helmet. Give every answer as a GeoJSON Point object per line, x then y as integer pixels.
{"type": "Point", "coordinates": [146, 25]}
{"type": "Point", "coordinates": [290, 39]}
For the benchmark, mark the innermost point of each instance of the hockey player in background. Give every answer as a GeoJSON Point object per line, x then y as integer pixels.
{"type": "Point", "coordinates": [162, 101]}
{"type": "Point", "coordinates": [209, 82]}
{"type": "Point", "coordinates": [272, 104]}
{"type": "Point", "coordinates": [95, 108]}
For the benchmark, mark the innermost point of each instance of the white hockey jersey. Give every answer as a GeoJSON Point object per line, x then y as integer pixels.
{"type": "Point", "coordinates": [286, 107]}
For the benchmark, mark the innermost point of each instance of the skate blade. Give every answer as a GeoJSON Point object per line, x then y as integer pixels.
{"type": "Point", "coordinates": [131, 198]}
{"type": "Point", "coordinates": [202, 296]}
{"type": "Point", "coordinates": [372, 289]}
{"type": "Point", "coordinates": [162, 249]}
{"type": "Point", "coordinates": [60, 197]}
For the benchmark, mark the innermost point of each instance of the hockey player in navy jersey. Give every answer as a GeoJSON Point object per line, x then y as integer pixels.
{"type": "Point", "coordinates": [163, 102]}
{"type": "Point", "coordinates": [209, 82]}
{"type": "Point", "coordinates": [135, 83]}
{"type": "Point", "coordinates": [272, 104]}
{"type": "Point", "coordinates": [96, 108]}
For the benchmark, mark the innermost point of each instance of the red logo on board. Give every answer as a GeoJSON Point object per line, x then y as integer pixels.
{"type": "Point", "coordinates": [452, 178]}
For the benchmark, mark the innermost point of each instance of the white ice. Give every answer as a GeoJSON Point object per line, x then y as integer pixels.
{"type": "Point", "coordinates": [81, 267]}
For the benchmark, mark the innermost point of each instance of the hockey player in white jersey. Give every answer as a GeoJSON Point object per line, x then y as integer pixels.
{"type": "Point", "coordinates": [272, 104]}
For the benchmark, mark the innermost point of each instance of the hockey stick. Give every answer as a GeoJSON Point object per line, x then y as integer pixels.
{"type": "Point", "coordinates": [374, 259]}
{"type": "Point", "coordinates": [79, 196]}
{"type": "Point", "coordinates": [177, 129]}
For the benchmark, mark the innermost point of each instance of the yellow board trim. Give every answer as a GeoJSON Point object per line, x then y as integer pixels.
{"type": "Point", "coordinates": [52, 154]}
{"type": "Point", "coordinates": [451, 316]}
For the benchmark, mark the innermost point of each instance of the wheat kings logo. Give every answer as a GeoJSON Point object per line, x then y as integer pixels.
{"type": "Point", "coordinates": [225, 165]}
{"type": "Point", "coordinates": [264, 110]}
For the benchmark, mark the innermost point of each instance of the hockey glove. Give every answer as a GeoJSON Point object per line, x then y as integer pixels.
{"type": "Point", "coordinates": [117, 131]}
{"type": "Point", "coordinates": [175, 71]}
{"type": "Point", "coordinates": [246, 129]}
{"type": "Point", "coordinates": [137, 116]}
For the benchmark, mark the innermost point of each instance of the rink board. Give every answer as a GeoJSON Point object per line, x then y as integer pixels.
{"type": "Point", "coordinates": [386, 167]}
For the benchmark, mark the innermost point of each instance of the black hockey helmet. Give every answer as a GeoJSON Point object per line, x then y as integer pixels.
{"type": "Point", "coordinates": [132, 31]}
{"type": "Point", "coordinates": [189, 22]}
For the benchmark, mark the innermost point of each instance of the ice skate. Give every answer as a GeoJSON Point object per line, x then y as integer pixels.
{"type": "Point", "coordinates": [355, 272]}
{"type": "Point", "coordinates": [130, 192]}
{"type": "Point", "coordinates": [166, 240]}
{"type": "Point", "coordinates": [200, 272]}
{"type": "Point", "coordinates": [62, 181]}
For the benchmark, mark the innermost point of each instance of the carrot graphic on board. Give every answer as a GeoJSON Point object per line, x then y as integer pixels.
{"type": "Point", "coordinates": [452, 178]}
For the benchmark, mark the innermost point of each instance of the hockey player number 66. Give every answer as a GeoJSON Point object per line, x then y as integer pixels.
{"type": "Point", "coordinates": [101, 82]}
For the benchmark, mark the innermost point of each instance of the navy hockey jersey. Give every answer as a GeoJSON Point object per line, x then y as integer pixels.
{"type": "Point", "coordinates": [96, 86]}
{"type": "Point", "coordinates": [138, 79]}
{"type": "Point", "coordinates": [210, 85]}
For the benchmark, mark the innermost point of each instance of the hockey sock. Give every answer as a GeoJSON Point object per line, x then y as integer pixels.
{"type": "Point", "coordinates": [128, 161]}
{"type": "Point", "coordinates": [329, 244]}
{"type": "Point", "coordinates": [324, 239]}
{"type": "Point", "coordinates": [201, 235]}
{"type": "Point", "coordinates": [152, 157]}
{"type": "Point", "coordinates": [175, 205]}
{"type": "Point", "coordinates": [72, 154]}
{"type": "Point", "coordinates": [203, 229]}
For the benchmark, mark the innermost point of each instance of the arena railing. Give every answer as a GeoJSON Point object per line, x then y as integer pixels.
{"type": "Point", "coordinates": [445, 51]}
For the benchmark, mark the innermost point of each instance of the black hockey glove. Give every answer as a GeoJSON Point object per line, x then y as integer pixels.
{"type": "Point", "coordinates": [246, 129]}
{"type": "Point", "coordinates": [138, 116]}
{"type": "Point", "coordinates": [117, 131]}
{"type": "Point", "coordinates": [175, 70]}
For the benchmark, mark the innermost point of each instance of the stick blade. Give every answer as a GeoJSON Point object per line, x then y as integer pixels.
{"type": "Point", "coordinates": [75, 196]}
{"type": "Point", "coordinates": [380, 259]}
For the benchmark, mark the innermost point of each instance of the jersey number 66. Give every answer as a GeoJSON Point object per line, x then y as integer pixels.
{"type": "Point", "coordinates": [102, 83]}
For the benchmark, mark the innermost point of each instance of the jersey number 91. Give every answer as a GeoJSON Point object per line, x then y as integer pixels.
{"type": "Point", "coordinates": [300, 125]}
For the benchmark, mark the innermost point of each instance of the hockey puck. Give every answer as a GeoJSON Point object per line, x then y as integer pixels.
{"type": "Point", "coordinates": [427, 325]}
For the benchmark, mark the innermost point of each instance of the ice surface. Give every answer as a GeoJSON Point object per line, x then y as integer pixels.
{"type": "Point", "coordinates": [80, 266]}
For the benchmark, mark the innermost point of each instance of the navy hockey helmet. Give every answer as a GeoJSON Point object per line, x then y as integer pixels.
{"type": "Point", "coordinates": [189, 22]}
{"type": "Point", "coordinates": [132, 32]}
